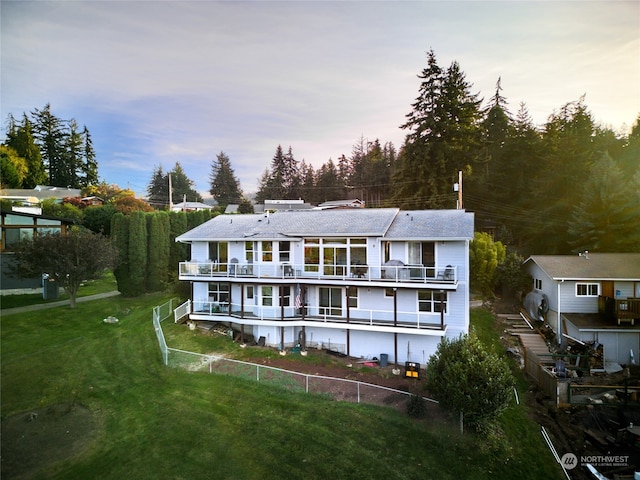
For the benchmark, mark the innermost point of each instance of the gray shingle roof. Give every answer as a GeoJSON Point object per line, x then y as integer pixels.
{"type": "Point", "coordinates": [594, 266]}
{"type": "Point", "coordinates": [380, 222]}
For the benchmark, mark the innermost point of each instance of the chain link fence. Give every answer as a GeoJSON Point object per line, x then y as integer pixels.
{"type": "Point", "coordinates": [335, 388]}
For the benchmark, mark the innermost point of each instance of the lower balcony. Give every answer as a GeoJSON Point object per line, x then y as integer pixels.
{"type": "Point", "coordinates": [357, 318]}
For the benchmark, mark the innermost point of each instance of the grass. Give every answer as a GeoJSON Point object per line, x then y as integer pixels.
{"type": "Point", "coordinates": [105, 284]}
{"type": "Point", "coordinates": [159, 422]}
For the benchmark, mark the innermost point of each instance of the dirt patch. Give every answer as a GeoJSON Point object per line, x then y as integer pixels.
{"type": "Point", "coordinates": [37, 439]}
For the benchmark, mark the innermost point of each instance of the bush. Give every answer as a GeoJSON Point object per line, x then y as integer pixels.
{"type": "Point", "coordinates": [467, 378]}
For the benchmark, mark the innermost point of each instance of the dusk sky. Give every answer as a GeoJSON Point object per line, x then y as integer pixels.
{"type": "Point", "coordinates": [157, 82]}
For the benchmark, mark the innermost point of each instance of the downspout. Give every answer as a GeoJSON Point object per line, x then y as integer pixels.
{"type": "Point", "coordinates": [395, 324]}
{"type": "Point", "coordinates": [348, 329]}
{"type": "Point", "coordinates": [559, 314]}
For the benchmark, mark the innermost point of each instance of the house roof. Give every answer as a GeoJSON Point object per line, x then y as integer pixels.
{"type": "Point", "coordinates": [191, 206]}
{"type": "Point", "coordinates": [40, 192]}
{"type": "Point", "coordinates": [590, 266]}
{"type": "Point", "coordinates": [380, 222]}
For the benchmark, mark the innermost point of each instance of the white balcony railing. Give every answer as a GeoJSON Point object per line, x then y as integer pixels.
{"type": "Point", "coordinates": [359, 316]}
{"type": "Point", "coordinates": [392, 273]}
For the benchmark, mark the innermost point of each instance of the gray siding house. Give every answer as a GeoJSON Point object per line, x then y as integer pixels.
{"type": "Point", "coordinates": [593, 297]}
{"type": "Point", "coordinates": [362, 282]}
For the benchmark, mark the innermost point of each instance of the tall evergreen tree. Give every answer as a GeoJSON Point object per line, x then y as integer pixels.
{"type": "Point", "coordinates": [328, 183]}
{"type": "Point", "coordinates": [225, 187]}
{"type": "Point", "coordinates": [50, 134]}
{"type": "Point", "coordinates": [182, 186]}
{"type": "Point", "coordinates": [308, 189]}
{"type": "Point", "coordinates": [443, 138]}
{"type": "Point", "coordinates": [89, 168]}
{"type": "Point", "coordinates": [282, 180]}
{"type": "Point", "coordinates": [568, 154]}
{"type": "Point", "coordinates": [607, 218]}
{"type": "Point", "coordinates": [72, 157]}
{"type": "Point", "coordinates": [158, 188]}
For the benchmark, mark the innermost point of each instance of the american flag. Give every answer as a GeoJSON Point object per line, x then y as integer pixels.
{"type": "Point", "coordinates": [298, 302]}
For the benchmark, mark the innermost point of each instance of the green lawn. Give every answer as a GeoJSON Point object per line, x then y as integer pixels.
{"type": "Point", "coordinates": [158, 422]}
{"type": "Point", "coordinates": [105, 284]}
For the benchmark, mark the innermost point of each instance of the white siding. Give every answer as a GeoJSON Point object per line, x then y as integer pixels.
{"type": "Point", "coordinates": [572, 303]}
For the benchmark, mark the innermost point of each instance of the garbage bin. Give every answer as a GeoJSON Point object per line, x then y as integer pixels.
{"type": "Point", "coordinates": [49, 289]}
{"type": "Point", "coordinates": [384, 359]}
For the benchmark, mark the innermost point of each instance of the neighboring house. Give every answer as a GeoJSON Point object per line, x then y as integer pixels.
{"type": "Point", "coordinates": [92, 201]}
{"type": "Point", "coordinates": [352, 203]}
{"type": "Point", "coordinates": [281, 205]}
{"type": "Point", "coordinates": [16, 227]}
{"type": "Point", "coordinates": [592, 297]}
{"type": "Point", "coordinates": [29, 200]}
{"type": "Point", "coordinates": [362, 282]}
{"type": "Point", "coordinates": [190, 207]}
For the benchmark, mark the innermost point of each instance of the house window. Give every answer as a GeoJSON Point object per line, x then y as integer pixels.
{"type": "Point", "coordinates": [267, 251]}
{"type": "Point", "coordinates": [218, 252]}
{"type": "Point", "coordinates": [285, 298]}
{"type": "Point", "coordinates": [285, 251]}
{"type": "Point", "coordinates": [250, 292]}
{"type": "Point", "coordinates": [587, 289]}
{"type": "Point", "coordinates": [358, 251]}
{"type": "Point", "coordinates": [249, 252]}
{"type": "Point", "coordinates": [311, 254]}
{"type": "Point", "coordinates": [388, 292]}
{"type": "Point", "coordinates": [432, 301]}
{"type": "Point", "coordinates": [537, 284]}
{"type": "Point", "coordinates": [267, 296]}
{"type": "Point", "coordinates": [352, 297]}
{"type": "Point", "coordinates": [219, 292]}
{"type": "Point", "coordinates": [330, 301]}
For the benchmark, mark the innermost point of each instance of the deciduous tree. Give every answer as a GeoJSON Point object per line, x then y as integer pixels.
{"type": "Point", "coordinates": [68, 259]}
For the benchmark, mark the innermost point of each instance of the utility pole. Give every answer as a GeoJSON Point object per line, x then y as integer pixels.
{"type": "Point", "coordinates": [460, 190]}
{"type": "Point", "coordinates": [170, 195]}
{"type": "Point", "coordinates": [457, 187]}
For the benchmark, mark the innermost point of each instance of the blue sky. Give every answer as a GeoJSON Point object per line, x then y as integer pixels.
{"type": "Point", "coordinates": [158, 81]}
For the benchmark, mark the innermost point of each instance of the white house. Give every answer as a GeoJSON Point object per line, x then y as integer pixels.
{"type": "Point", "coordinates": [363, 282]}
{"type": "Point", "coordinates": [593, 297]}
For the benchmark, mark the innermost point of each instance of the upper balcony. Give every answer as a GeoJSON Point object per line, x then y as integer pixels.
{"type": "Point", "coordinates": [392, 272]}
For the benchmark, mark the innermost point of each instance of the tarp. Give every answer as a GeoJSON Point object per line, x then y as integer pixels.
{"type": "Point", "coordinates": [536, 305]}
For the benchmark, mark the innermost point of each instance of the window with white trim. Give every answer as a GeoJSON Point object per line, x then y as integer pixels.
{"type": "Point", "coordinates": [537, 284]}
{"type": "Point", "coordinates": [267, 296]}
{"type": "Point", "coordinates": [587, 289]}
{"type": "Point", "coordinates": [432, 301]}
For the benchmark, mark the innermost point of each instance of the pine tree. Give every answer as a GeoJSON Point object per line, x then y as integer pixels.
{"type": "Point", "coordinates": [89, 167]}
{"type": "Point", "coordinates": [50, 134]}
{"type": "Point", "coordinates": [225, 187]}
{"type": "Point", "coordinates": [607, 218]}
{"type": "Point", "coordinates": [158, 188]}
{"type": "Point", "coordinates": [72, 157]}
{"type": "Point", "coordinates": [443, 138]}
{"type": "Point", "coordinates": [182, 186]}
